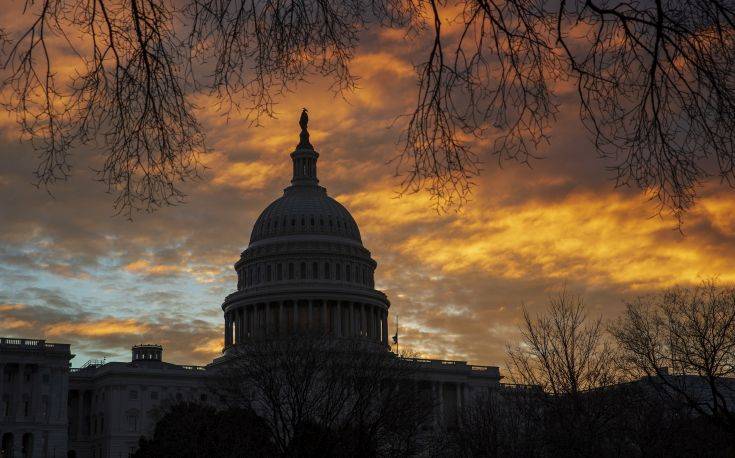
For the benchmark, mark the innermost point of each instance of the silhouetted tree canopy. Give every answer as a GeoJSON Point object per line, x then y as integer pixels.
{"type": "Point", "coordinates": [191, 430]}
{"type": "Point", "coordinates": [654, 80]}
{"type": "Point", "coordinates": [683, 340]}
{"type": "Point", "coordinates": [340, 398]}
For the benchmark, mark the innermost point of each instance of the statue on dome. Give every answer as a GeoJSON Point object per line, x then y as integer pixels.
{"type": "Point", "coordinates": [304, 120]}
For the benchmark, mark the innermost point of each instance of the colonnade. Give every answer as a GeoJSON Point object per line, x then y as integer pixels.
{"type": "Point", "coordinates": [288, 317]}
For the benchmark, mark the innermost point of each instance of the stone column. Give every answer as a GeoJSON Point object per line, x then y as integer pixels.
{"type": "Point", "coordinates": [63, 395]}
{"type": "Point", "coordinates": [231, 327]}
{"type": "Point", "coordinates": [237, 339]}
{"type": "Point", "coordinates": [296, 315]}
{"type": "Point", "coordinates": [35, 393]}
{"type": "Point", "coordinates": [80, 413]}
{"type": "Point", "coordinates": [2, 385]}
{"type": "Point", "coordinates": [371, 322]}
{"type": "Point", "coordinates": [234, 325]}
{"type": "Point", "coordinates": [442, 409]}
{"type": "Point", "coordinates": [224, 331]}
{"type": "Point", "coordinates": [338, 318]}
{"type": "Point", "coordinates": [385, 326]}
{"type": "Point", "coordinates": [247, 319]}
{"type": "Point", "coordinates": [376, 317]}
{"type": "Point", "coordinates": [267, 318]}
{"type": "Point", "coordinates": [310, 326]}
{"type": "Point", "coordinates": [247, 316]}
{"type": "Point", "coordinates": [435, 396]}
{"type": "Point", "coordinates": [282, 323]}
{"type": "Point", "coordinates": [18, 392]}
{"type": "Point", "coordinates": [228, 334]}
{"type": "Point", "coordinates": [325, 322]}
{"type": "Point", "coordinates": [361, 319]}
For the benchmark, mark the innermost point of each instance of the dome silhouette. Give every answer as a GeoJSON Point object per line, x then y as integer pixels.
{"type": "Point", "coordinates": [305, 210]}
{"type": "Point", "coordinates": [305, 270]}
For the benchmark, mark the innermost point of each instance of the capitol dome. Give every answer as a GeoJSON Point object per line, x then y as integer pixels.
{"type": "Point", "coordinates": [305, 210]}
{"type": "Point", "coordinates": [305, 269]}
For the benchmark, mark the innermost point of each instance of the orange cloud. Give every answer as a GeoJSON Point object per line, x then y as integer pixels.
{"type": "Point", "coordinates": [145, 267]}
{"type": "Point", "coordinates": [98, 328]}
{"type": "Point", "coordinates": [602, 239]}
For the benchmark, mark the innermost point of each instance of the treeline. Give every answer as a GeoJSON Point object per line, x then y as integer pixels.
{"type": "Point", "coordinates": [656, 381]}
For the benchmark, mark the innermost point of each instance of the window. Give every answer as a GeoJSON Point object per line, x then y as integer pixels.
{"type": "Point", "coordinates": [279, 271]}
{"type": "Point", "coordinates": [348, 275]}
{"type": "Point", "coordinates": [45, 379]}
{"type": "Point", "coordinates": [26, 405]}
{"type": "Point", "coordinates": [6, 405]}
{"type": "Point", "coordinates": [102, 423]}
{"type": "Point", "coordinates": [290, 271]}
{"type": "Point", "coordinates": [133, 422]}
{"type": "Point", "coordinates": [315, 269]}
{"type": "Point", "coordinates": [303, 270]}
{"type": "Point", "coordinates": [203, 397]}
{"type": "Point", "coordinates": [268, 273]}
{"type": "Point", "coordinates": [133, 394]}
{"type": "Point", "coordinates": [326, 270]}
{"type": "Point", "coordinates": [154, 395]}
{"type": "Point", "coordinates": [44, 406]}
{"type": "Point", "coordinates": [338, 271]}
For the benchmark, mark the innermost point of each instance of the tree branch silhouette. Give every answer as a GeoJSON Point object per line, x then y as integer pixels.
{"type": "Point", "coordinates": [654, 84]}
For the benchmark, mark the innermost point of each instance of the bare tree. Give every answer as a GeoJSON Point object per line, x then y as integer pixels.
{"type": "Point", "coordinates": [342, 399]}
{"type": "Point", "coordinates": [567, 356]}
{"type": "Point", "coordinates": [128, 92]}
{"type": "Point", "coordinates": [562, 351]}
{"type": "Point", "coordinates": [501, 422]}
{"type": "Point", "coordinates": [654, 80]}
{"type": "Point", "coordinates": [140, 63]}
{"type": "Point", "coordinates": [683, 342]}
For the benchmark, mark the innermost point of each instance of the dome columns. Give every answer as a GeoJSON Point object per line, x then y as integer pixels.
{"type": "Point", "coordinates": [284, 318]}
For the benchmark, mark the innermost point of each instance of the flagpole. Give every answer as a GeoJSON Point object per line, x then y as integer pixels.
{"type": "Point", "coordinates": [395, 337]}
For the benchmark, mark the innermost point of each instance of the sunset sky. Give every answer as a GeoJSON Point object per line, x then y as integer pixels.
{"type": "Point", "coordinates": [72, 272]}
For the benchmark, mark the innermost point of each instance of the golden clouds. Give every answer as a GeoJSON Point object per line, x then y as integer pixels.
{"type": "Point", "coordinates": [209, 348]}
{"type": "Point", "coordinates": [248, 176]}
{"type": "Point", "coordinates": [599, 239]}
{"type": "Point", "coordinates": [382, 63]}
{"type": "Point", "coordinates": [10, 323]}
{"type": "Point", "coordinates": [145, 267]}
{"type": "Point", "coordinates": [97, 328]}
{"type": "Point", "coordinates": [9, 307]}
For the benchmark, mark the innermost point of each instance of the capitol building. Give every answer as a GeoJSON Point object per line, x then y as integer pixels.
{"type": "Point", "coordinates": [305, 271]}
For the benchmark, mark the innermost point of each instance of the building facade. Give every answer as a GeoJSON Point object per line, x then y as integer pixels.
{"type": "Point", "coordinates": [304, 271]}
{"type": "Point", "coordinates": [34, 382]}
{"type": "Point", "coordinates": [112, 404]}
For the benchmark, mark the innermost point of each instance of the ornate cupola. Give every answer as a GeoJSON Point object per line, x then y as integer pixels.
{"type": "Point", "coordinates": [305, 269]}
{"type": "Point", "coordinates": [304, 157]}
